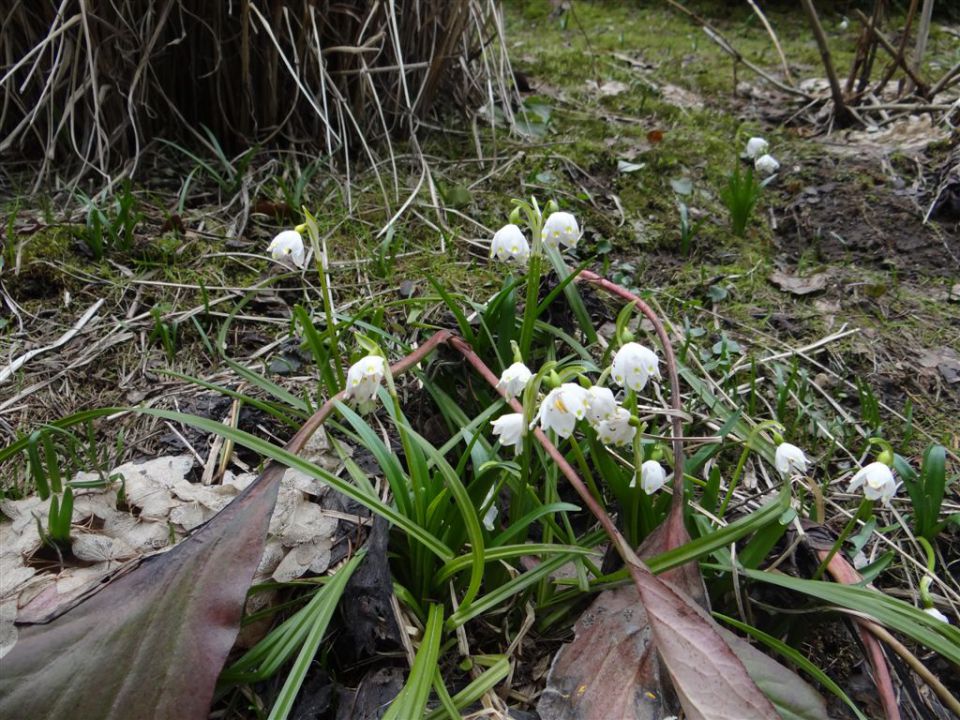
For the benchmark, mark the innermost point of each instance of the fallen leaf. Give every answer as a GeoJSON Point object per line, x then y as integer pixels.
{"type": "Point", "coordinates": [945, 360]}
{"type": "Point", "coordinates": [168, 623]}
{"type": "Point", "coordinates": [799, 285]}
{"type": "Point", "coordinates": [625, 166]}
{"type": "Point", "coordinates": [655, 136]}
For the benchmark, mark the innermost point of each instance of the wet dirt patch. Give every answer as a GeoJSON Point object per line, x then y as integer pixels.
{"type": "Point", "coordinates": [856, 214]}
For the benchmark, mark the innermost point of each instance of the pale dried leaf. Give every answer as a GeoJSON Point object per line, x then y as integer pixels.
{"type": "Point", "coordinates": [92, 547]}
{"type": "Point", "coordinates": [799, 285]}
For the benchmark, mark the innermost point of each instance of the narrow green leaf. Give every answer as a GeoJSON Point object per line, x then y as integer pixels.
{"type": "Point", "coordinates": [412, 701]}
{"type": "Point", "coordinates": [327, 598]}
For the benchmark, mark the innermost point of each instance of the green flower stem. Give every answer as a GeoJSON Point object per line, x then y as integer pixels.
{"type": "Point", "coordinates": [585, 468]}
{"type": "Point", "coordinates": [735, 480]}
{"type": "Point", "coordinates": [863, 512]}
{"type": "Point", "coordinates": [535, 220]}
{"type": "Point", "coordinates": [320, 256]}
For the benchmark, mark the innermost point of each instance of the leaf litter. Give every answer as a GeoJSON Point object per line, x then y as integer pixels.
{"type": "Point", "coordinates": [148, 508]}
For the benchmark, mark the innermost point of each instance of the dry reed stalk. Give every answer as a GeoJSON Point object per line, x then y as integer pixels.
{"type": "Point", "coordinates": [90, 83]}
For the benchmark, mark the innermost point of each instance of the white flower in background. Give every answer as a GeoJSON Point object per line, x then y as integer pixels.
{"type": "Point", "coordinates": [756, 146]}
{"type": "Point", "coordinates": [600, 404]}
{"type": "Point", "coordinates": [877, 481]}
{"type": "Point", "coordinates": [937, 614]}
{"type": "Point", "coordinates": [514, 380]}
{"type": "Point", "coordinates": [634, 365]}
{"type": "Point", "coordinates": [491, 514]}
{"type": "Point", "coordinates": [364, 377]}
{"type": "Point", "coordinates": [562, 408]}
{"type": "Point", "coordinates": [616, 428]}
{"type": "Point", "coordinates": [790, 460]}
{"type": "Point", "coordinates": [288, 247]}
{"type": "Point", "coordinates": [509, 245]}
{"type": "Point", "coordinates": [509, 428]}
{"type": "Point", "coordinates": [652, 476]}
{"type": "Point", "coordinates": [766, 165]}
{"type": "Point", "coordinates": [560, 227]}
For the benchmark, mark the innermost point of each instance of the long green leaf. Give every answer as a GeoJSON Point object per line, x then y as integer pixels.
{"type": "Point", "coordinates": [505, 552]}
{"type": "Point", "coordinates": [411, 703]}
{"type": "Point", "coordinates": [476, 689]}
{"type": "Point", "coordinates": [896, 614]}
{"type": "Point", "coordinates": [327, 598]}
{"type": "Point", "coordinates": [273, 452]}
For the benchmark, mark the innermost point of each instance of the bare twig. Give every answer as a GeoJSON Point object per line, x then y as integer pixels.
{"type": "Point", "coordinates": [840, 106]}
{"type": "Point", "coordinates": [773, 37]}
{"type": "Point", "coordinates": [897, 56]}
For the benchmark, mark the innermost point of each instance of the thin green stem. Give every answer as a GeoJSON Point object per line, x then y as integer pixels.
{"type": "Point", "coordinates": [865, 510]}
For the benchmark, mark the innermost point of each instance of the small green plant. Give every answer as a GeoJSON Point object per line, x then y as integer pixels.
{"type": "Point", "coordinates": [165, 331]}
{"type": "Point", "coordinates": [740, 195]}
{"type": "Point", "coordinates": [111, 227]}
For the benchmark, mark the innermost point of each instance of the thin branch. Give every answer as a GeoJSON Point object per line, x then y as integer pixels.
{"type": "Point", "coordinates": [840, 105]}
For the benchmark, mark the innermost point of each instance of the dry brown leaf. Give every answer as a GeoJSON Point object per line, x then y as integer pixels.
{"type": "Point", "coordinates": [799, 285]}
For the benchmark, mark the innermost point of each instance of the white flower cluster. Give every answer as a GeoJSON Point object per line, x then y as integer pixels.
{"type": "Point", "coordinates": [567, 404]}
{"type": "Point", "coordinates": [765, 163]}
{"type": "Point", "coordinates": [509, 244]}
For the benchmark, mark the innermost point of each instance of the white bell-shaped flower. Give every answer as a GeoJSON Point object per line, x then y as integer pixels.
{"type": "Point", "coordinates": [287, 247]}
{"type": "Point", "coordinates": [601, 404]}
{"type": "Point", "coordinates": [616, 428]}
{"type": "Point", "coordinates": [562, 408]}
{"type": "Point", "coordinates": [933, 612]}
{"type": "Point", "coordinates": [364, 378]}
{"type": "Point", "coordinates": [877, 481]}
{"type": "Point", "coordinates": [790, 460]}
{"type": "Point", "coordinates": [490, 516]}
{"type": "Point", "coordinates": [634, 365]}
{"type": "Point", "coordinates": [509, 245]}
{"type": "Point", "coordinates": [509, 428]}
{"type": "Point", "coordinates": [560, 228]}
{"type": "Point", "coordinates": [514, 379]}
{"type": "Point", "coordinates": [766, 165]}
{"type": "Point", "coordinates": [652, 476]}
{"type": "Point", "coordinates": [756, 146]}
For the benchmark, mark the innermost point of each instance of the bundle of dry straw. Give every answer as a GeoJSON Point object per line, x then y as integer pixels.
{"type": "Point", "coordinates": [95, 81]}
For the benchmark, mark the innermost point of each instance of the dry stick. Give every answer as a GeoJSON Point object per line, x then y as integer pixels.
{"type": "Point", "coordinates": [866, 48]}
{"type": "Point", "coordinates": [773, 38]}
{"type": "Point", "coordinates": [898, 57]}
{"type": "Point", "coordinates": [898, 60]}
{"type": "Point", "coordinates": [725, 45]}
{"type": "Point", "coordinates": [943, 82]}
{"type": "Point", "coordinates": [923, 33]}
{"type": "Point", "coordinates": [840, 106]}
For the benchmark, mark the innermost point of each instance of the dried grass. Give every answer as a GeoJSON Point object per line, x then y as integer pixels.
{"type": "Point", "coordinates": [89, 84]}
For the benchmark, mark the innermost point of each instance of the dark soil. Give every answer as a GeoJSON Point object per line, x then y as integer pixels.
{"type": "Point", "coordinates": [847, 211]}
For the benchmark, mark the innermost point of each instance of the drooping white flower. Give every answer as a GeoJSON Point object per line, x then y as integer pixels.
{"type": "Point", "coordinates": [491, 514]}
{"type": "Point", "coordinates": [601, 404]}
{"type": "Point", "coordinates": [634, 365]}
{"type": "Point", "coordinates": [509, 245]}
{"type": "Point", "coordinates": [877, 481]}
{"type": "Point", "coordinates": [937, 614]}
{"type": "Point", "coordinates": [766, 165]}
{"type": "Point", "coordinates": [509, 428]}
{"type": "Point", "coordinates": [790, 460]}
{"type": "Point", "coordinates": [560, 228]}
{"type": "Point", "coordinates": [287, 247]}
{"type": "Point", "coordinates": [652, 476]}
{"type": "Point", "coordinates": [514, 380]}
{"type": "Point", "coordinates": [364, 377]}
{"type": "Point", "coordinates": [562, 408]}
{"type": "Point", "coordinates": [756, 146]}
{"type": "Point", "coordinates": [616, 428]}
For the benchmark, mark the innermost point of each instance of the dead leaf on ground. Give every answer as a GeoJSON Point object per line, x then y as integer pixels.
{"type": "Point", "coordinates": [607, 88]}
{"type": "Point", "coordinates": [945, 360]}
{"type": "Point", "coordinates": [797, 285]}
{"type": "Point", "coordinates": [180, 609]}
